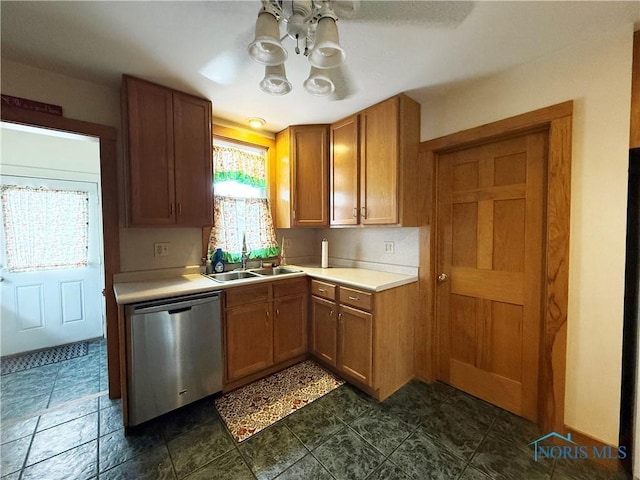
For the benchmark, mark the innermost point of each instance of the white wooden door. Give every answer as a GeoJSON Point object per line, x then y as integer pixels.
{"type": "Point", "coordinates": [46, 305]}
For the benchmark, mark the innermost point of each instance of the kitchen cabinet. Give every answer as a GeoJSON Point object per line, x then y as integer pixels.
{"type": "Point", "coordinates": [375, 173]}
{"type": "Point", "coordinates": [371, 341]}
{"type": "Point", "coordinates": [302, 179]}
{"type": "Point", "coordinates": [168, 156]}
{"type": "Point", "coordinates": [248, 330]}
{"type": "Point", "coordinates": [290, 320]}
{"type": "Point", "coordinates": [264, 325]}
{"type": "Point", "coordinates": [344, 195]}
{"type": "Point", "coordinates": [324, 314]}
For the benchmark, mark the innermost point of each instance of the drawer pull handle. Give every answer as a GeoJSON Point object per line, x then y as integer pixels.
{"type": "Point", "coordinates": [354, 298]}
{"type": "Point", "coordinates": [355, 212]}
{"type": "Point", "coordinates": [322, 290]}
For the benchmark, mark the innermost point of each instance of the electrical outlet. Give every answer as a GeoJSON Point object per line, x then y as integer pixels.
{"type": "Point", "coordinates": [287, 242]}
{"type": "Point", "coordinates": [389, 247]}
{"type": "Point", "coordinates": [161, 249]}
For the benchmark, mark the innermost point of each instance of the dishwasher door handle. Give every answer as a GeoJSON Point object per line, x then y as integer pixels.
{"type": "Point", "coordinates": [179, 310]}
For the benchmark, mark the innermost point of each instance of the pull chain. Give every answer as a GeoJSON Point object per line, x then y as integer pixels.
{"type": "Point", "coordinates": [297, 47]}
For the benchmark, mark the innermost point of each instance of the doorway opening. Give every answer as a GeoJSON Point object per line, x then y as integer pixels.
{"type": "Point", "coordinates": [52, 260]}
{"type": "Point", "coordinates": [51, 251]}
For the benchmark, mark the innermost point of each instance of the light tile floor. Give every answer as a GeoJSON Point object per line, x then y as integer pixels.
{"type": "Point", "coordinates": [422, 432]}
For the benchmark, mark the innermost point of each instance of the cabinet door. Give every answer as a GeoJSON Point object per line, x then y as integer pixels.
{"type": "Point", "coordinates": [149, 117]}
{"type": "Point", "coordinates": [193, 160]}
{"type": "Point", "coordinates": [323, 330]}
{"type": "Point", "coordinates": [249, 340]}
{"type": "Point", "coordinates": [289, 328]}
{"type": "Point", "coordinates": [343, 191]}
{"type": "Point", "coordinates": [309, 176]}
{"type": "Point", "coordinates": [356, 344]}
{"type": "Point", "coordinates": [379, 163]}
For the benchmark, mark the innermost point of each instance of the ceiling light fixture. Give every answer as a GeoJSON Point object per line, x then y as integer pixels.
{"type": "Point", "coordinates": [311, 23]}
{"type": "Point", "coordinates": [256, 122]}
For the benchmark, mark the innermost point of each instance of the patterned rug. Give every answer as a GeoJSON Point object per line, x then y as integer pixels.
{"type": "Point", "coordinates": [254, 407]}
{"type": "Point", "coordinates": [18, 363]}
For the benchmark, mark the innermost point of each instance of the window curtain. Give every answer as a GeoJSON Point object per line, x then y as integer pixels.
{"type": "Point", "coordinates": [45, 229]}
{"type": "Point", "coordinates": [238, 214]}
{"type": "Point", "coordinates": [236, 218]}
{"type": "Point", "coordinates": [241, 166]}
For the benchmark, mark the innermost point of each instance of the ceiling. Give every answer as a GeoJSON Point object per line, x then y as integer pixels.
{"type": "Point", "coordinates": [418, 47]}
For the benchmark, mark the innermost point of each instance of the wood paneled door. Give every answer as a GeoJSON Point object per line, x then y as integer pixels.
{"type": "Point", "coordinates": [490, 247]}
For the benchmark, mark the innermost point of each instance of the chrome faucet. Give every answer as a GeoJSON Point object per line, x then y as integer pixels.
{"type": "Point", "coordinates": [245, 256]}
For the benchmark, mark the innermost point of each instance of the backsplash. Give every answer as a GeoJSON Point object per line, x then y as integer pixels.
{"type": "Point", "coordinates": [356, 247]}
{"type": "Point", "coordinates": [348, 247]}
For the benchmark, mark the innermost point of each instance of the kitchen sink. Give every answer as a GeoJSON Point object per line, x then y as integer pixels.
{"type": "Point", "coordinates": [275, 271]}
{"type": "Point", "coordinates": [229, 276]}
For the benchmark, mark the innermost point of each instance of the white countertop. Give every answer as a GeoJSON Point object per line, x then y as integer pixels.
{"type": "Point", "coordinates": [373, 280]}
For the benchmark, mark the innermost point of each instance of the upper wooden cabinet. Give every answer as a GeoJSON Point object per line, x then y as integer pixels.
{"type": "Point", "coordinates": [374, 165]}
{"type": "Point", "coordinates": [302, 177]}
{"type": "Point", "coordinates": [344, 198]}
{"type": "Point", "coordinates": [168, 156]}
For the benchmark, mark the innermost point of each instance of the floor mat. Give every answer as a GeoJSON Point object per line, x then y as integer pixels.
{"type": "Point", "coordinates": [254, 407]}
{"type": "Point", "coordinates": [44, 357]}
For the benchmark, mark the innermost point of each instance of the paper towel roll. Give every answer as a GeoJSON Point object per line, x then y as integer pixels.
{"type": "Point", "coordinates": [325, 253]}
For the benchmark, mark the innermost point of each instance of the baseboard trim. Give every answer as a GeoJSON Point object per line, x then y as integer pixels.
{"type": "Point", "coordinates": [582, 438]}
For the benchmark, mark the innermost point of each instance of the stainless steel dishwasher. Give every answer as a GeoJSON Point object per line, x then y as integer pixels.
{"type": "Point", "coordinates": [174, 353]}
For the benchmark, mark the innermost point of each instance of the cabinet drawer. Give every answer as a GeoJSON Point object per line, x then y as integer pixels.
{"type": "Point", "coordinates": [244, 295]}
{"type": "Point", "coordinates": [356, 298]}
{"type": "Point", "coordinates": [324, 290]}
{"type": "Point", "coordinates": [285, 288]}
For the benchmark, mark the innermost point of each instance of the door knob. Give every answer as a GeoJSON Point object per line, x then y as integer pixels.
{"type": "Point", "coordinates": [442, 277]}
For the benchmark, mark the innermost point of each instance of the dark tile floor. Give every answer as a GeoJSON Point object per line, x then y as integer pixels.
{"type": "Point", "coordinates": [421, 432]}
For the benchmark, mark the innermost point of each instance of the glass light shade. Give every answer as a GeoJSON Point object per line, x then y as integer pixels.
{"type": "Point", "coordinates": [318, 83]}
{"type": "Point", "coordinates": [327, 52]}
{"type": "Point", "coordinates": [275, 80]}
{"type": "Point", "coordinates": [266, 47]}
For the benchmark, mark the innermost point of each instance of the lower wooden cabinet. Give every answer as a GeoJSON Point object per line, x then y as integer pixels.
{"type": "Point", "coordinates": [365, 336]}
{"type": "Point", "coordinates": [324, 334]}
{"type": "Point", "coordinates": [356, 344]}
{"type": "Point", "coordinates": [249, 334]}
{"type": "Point", "coordinates": [289, 327]}
{"type": "Point", "coordinates": [264, 324]}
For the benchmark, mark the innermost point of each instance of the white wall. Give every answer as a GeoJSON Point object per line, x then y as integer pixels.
{"type": "Point", "coordinates": [68, 157]}
{"type": "Point", "coordinates": [597, 76]}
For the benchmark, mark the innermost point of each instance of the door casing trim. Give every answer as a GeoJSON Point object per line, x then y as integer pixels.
{"type": "Point", "coordinates": [557, 121]}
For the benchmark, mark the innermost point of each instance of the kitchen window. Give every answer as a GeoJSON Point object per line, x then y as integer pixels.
{"type": "Point", "coordinates": [241, 207]}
